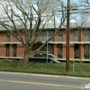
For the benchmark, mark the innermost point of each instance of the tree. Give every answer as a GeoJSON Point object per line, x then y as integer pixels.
{"type": "Point", "coordinates": [31, 17]}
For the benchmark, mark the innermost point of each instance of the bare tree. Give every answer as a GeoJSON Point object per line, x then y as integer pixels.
{"type": "Point", "coordinates": [31, 17]}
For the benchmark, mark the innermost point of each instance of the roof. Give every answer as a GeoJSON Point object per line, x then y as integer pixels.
{"type": "Point", "coordinates": [51, 26]}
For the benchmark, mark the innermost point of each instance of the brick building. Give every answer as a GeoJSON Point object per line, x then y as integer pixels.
{"type": "Point", "coordinates": [79, 43]}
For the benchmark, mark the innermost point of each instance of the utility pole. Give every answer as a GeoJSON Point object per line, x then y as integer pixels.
{"type": "Point", "coordinates": [67, 35]}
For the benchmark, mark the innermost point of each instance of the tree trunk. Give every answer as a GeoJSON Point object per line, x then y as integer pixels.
{"type": "Point", "coordinates": [25, 58]}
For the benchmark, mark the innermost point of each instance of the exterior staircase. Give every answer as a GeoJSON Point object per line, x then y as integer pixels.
{"type": "Point", "coordinates": [54, 58]}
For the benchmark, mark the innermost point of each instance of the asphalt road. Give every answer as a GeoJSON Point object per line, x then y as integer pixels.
{"type": "Point", "coordinates": [25, 81]}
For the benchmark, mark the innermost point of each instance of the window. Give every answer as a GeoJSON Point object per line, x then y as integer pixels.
{"type": "Point", "coordinates": [86, 35]}
{"type": "Point", "coordinates": [8, 36]}
{"type": "Point", "coordinates": [60, 35]}
{"type": "Point", "coordinates": [7, 49]}
{"type": "Point", "coordinates": [86, 32]}
{"type": "Point", "coordinates": [14, 50]}
{"type": "Point", "coordinates": [76, 51]}
{"type": "Point", "coordinates": [50, 48]}
{"type": "Point", "coordinates": [76, 32]}
{"type": "Point", "coordinates": [60, 50]}
{"type": "Point", "coordinates": [86, 51]}
{"type": "Point", "coordinates": [76, 35]}
{"type": "Point", "coordinates": [50, 33]}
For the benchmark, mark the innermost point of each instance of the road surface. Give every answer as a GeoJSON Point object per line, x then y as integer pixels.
{"type": "Point", "coordinates": [25, 81]}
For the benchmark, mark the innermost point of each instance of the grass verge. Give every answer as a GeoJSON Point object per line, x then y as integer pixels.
{"type": "Point", "coordinates": [80, 69]}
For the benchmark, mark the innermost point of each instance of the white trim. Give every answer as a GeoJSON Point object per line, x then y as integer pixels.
{"type": "Point", "coordinates": [10, 42]}
{"type": "Point", "coordinates": [11, 57]}
{"type": "Point", "coordinates": [58, 59]}
{"type": "Point", "coordinates": [70, 42]}
{"type": "Point", "coordinates": [51, 42]}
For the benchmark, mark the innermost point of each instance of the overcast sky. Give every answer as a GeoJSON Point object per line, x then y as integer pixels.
{"type": "Point", "coordinates": [74, 17]}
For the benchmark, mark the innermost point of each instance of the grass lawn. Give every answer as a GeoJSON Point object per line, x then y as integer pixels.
{"type": "Point", "coordinates": [80, 69]}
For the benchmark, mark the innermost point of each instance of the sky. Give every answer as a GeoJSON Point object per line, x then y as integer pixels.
{"type": "Point", "coordinates": [74, 17]}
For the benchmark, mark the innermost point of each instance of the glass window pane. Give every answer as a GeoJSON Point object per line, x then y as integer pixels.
{"type": "Point", "coordinates": [76, 51]}
{"type": "Point", "coordinates": [76, 32]}
{"type": "Point", "coordinates": [86, 51]}
{"type": "Point", "coordinates": [86, 32]}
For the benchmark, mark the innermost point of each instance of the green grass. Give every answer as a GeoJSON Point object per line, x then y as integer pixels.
{"type": "Point", "coordinates": [81, 70]}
